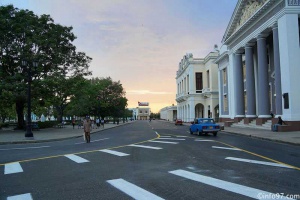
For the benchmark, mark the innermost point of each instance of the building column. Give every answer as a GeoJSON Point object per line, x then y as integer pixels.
{"type": "Point", "coordinates": [250, 83]}
{"type": "Point", "coordinates": [239, 85]}
{"type": "Point", "coordinates": [278, 91]}
{"type": "Point", "coordinates": [192, 110]}
{"type": "Point", "coordinates": [263, 84]}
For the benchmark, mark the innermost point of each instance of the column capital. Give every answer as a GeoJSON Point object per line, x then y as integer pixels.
{"type": "Point", "coordinates": [238, 52]}
{"type": "Point", "coordinates": [274, 26]}
{"type": "Point", "coordinates": [249, 45]}
{"type": "Point", "coordinates": [261, 36]}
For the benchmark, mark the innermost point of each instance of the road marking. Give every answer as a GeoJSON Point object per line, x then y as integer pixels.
{"type": "Point", "coordinates": [258, 162]}
{"type": "Point", "coordinates": [182, 136]}
{"type": "Point", "coordinates": [26, 196]}
{"type": "Point", "coordinates": [142, 146]}
{"type": "Point", "coordinates": [93, 141]}
{"type": "Point", "coordinates": [197, 140]}
{"type": "Point", "coordinates": [76, 158]}
{"type": "Point", "coordinates": [227, 148]}
{"type": "Point", "coordinates": [12, 168]}
{"type": "Point", "coordinates": [164, 136]}
{"type": "Point", "coordinates": [24, 148]}
{"type": "Point", "coordinates": [132, 190]}
{"type": "Point", "coordinates": [114, 152]}
{"type": "Point", "coordinates": [165, 142]}
{"type": "Point", "coordinates": [232, 187]}
{"type": "Point", "coordinates": [170, 139]}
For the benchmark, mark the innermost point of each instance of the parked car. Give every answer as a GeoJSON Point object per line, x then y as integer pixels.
{"type": "Point", "coordinates": [204, 125]}
{"type": "Point", "coordinates": [178, 122]}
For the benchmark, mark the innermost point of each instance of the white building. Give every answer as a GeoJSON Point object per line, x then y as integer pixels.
{"type": "Point", "coordinates": [168, 113]}
{"type": "Point", "coordinates": [197, 88]}
{"type": "Point", "coordinates": [259, 63]}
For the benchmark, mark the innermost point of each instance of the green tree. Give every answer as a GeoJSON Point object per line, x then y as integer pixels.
{"type": "Point", "coordinates": [28, 37]}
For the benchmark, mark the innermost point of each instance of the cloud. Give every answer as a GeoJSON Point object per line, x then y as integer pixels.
{"type": "Point", "coordinates": [147, 92]}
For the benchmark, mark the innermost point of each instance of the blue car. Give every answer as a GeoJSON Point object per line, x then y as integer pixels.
{"type": "Point", "coordinates": [204, 125]}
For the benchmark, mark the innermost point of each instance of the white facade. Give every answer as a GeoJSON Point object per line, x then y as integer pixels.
{"type": "Point", "coordinates": [259, 62]}
{"type": "Point", "coordinates": [168, 113]}
{"type": "Point", "coordinates": [197, 88]}
{"type": "Point", "coordinates": [140, 113]}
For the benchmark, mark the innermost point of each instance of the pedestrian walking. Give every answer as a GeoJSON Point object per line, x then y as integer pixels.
{"type": "Point", "coordinates": [102, 123]}
{"type": "Point", "coordinates": [98, 122]}
{"type": "Point", "coordinates": [93, 124]}
{"type": "Point", "coordinates": [73, 123]}
{"type": "Point", "coordinates": [87, 129]}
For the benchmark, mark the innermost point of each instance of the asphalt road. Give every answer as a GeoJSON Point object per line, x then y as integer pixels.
{"type": "Point", "coordinates": [175, 165]}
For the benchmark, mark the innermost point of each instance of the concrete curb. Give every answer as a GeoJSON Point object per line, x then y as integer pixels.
{"type": "Point", "coordinates": [261, 138]}
{"type": "Point", "coordinates": [58, 139]}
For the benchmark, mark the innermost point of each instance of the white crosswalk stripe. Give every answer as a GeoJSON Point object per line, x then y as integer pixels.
{"type": "Point", "coordinates": [197, 140]}
{"type": "Point", "coordinates": [76, 158]}
{"type": "Point", "coordinates": [232, 187]}
{"type": "Point", "coordinates": [117, 153]}
{"type": "Point", "coordinates": [26, 196]}
{"type": "Point", "coordinates": [164, 142]}
{"type": "Point", "coordinates": [258, 162]}
{"type": "Point", "coordinates": [143, 146]}
{"type": "Point", "coordinates": [12, 168]}
{"type": "Point", "coordinates": [133, 190]}
{"type": "Point", "coordinates": [234, 149]}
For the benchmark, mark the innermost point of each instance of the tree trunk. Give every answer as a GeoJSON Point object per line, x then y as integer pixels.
{"type": "Point", "coordinates": [20, 104]}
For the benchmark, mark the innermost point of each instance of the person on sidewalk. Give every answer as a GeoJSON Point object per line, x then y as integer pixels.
{"type": "Point", "coordinates": [280, 121]}
{"type": "Point", "coordinates": [73, 123]}
{"type": "Point", "coordinates": [98, 122]}
{"type": "Point", "coordinates": [102, 123]}
{"type": "Point", "coordinates": [87, 129]}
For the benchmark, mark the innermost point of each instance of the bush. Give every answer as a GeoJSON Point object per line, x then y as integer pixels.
{"type": "Point", "coordinates": [4, 125]}
{"type": "Point", "coordinates": [47, 124]}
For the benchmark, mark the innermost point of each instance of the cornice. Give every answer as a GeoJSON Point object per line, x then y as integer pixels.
{"type": "Point", "coordinates": [221, 57]}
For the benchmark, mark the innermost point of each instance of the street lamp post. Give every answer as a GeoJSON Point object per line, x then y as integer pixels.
{"type": "Point", "coordinates": [29, 133]}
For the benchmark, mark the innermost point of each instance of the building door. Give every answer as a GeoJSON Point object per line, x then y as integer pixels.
{"type": "Point", "coordinates": [199, 111]}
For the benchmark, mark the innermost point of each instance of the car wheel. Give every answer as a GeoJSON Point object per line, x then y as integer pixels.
{"type": "Point", "coordinates": [191, 132]}
{"type": "Point", "coordinates": [199, 132]}
{"type": "Point", "coordinates": [215, 134]}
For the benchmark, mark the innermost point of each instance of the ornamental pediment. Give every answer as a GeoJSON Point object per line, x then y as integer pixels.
{"type": "Point", "coordinates": [245, 9]}
{"type": "Point", "coordinates": [251, 7]}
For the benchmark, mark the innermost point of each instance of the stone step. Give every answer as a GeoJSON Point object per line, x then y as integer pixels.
{"type": "Point", "coordinates": [249, 126]}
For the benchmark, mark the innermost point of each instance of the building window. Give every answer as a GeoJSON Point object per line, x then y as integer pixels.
{"type": "Point", "coordinates": [245, 100]}
{"type": "Point", "coordinates": [225, 103]}
{"type": "Point", "coordinates": [208, 80]}
{"type": "Point", "coordinates": [244, 71]}
{"type": "Point", "coordinates": [224, 77]}
{"type": "Point", "coordinates": [299, 28]}
{"type": "Point", "coordinates": [199, 84]}
{"type": "Point", "coordinates": [188, 83]}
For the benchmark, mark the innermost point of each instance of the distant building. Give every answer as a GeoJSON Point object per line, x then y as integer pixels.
{"type": "Point", "coordinates": [197, 87]}
{"type": "Point", "coordinates": [168, 113]}
{"type": "Point", "coordinates": [143, 113]}
{"type": "Point", "coordinates": [259, 63]}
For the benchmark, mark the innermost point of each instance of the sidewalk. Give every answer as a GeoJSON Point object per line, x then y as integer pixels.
{"type": "Point", "coordinates": [9, 136]}
{"type": "Point", "coordinates": [282, 137]}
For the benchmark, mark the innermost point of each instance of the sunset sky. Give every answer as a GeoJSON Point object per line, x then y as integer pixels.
{"type": "Point", "coordinates": [139, 42]}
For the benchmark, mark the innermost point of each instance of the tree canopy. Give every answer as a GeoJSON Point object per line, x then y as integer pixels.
{"type": "Point", "coordinates": [35, 49]}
